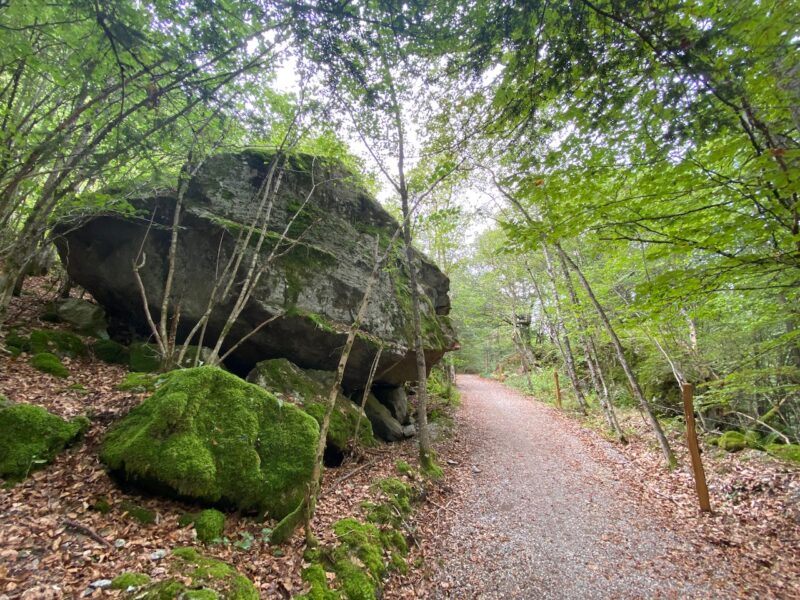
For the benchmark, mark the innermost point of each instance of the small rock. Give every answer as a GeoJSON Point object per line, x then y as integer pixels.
{"type": "Point", "coordinates": [158, 555]}
{"type": "Point", "coordinates": [100, 584]}
{"type": "Point", "coordinates": [451, 461]}
{"type": "Point", "coordinates": [119, 543]}
{"type": "Point", "coordinates": [475, 469]}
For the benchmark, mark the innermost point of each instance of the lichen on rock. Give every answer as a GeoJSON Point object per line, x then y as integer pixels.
{"type": "Point", "coordinates": [207, 435]}
{"type": "Point", "coordinates": [31, 437]}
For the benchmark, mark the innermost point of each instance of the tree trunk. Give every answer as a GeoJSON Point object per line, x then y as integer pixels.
{"type": "Point", "coordinates": [634, 383]}
{"type": "Point", "coordinates": [569, 357]}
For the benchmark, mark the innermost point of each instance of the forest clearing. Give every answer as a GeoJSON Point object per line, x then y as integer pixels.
{"type": "Point", "coordinates": [346, 300]}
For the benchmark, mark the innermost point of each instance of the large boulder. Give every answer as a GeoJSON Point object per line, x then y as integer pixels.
{"type": "Point", "coordinates": [315, 281]}
{"type": "Point", "coordinates": [310, 392]}
{"type": "Point", "coordinates": [209, 436]}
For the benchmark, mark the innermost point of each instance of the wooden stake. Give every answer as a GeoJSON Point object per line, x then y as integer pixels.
{"type": "Point", "coordinates": [558, 388]}
{"type": "Point", "coordinates": [694, 448]}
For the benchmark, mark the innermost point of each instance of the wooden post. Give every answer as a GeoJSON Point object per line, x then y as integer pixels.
{"type": "Point", "coordinates": [558, 388]}
{"type": "Point", "coordinates": [694, 448]}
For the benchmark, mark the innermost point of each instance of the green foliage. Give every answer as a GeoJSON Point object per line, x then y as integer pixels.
{"type": "Point", "coordinates": [209, 525]}
{"type": "Point", "coordinates": [441, 388]}
{"type": "Point", "coordinates": [49, 363]}
{"type": "Point", "coordinates": [207, 434]}
{"type": "Point", "coordinates": [31, 437]}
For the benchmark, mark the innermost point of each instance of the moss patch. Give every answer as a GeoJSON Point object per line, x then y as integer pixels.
{"type": "Point", "coordinates": [50, 364]}
{"type": "Point", "coordinates": [139, 513]}
{"type": "Point", "coordinates": [31, 437]}
{"type": "Point", "coordinates": [208, 435]}
{"type": "Point", "coordinates": [201, 578]}
{"type": "Point", "coordinates": [144, 358]}
{"type": "Point", "coordinates": [291, 383]}
{"type": "Point", "coordinates": [138, 382]}
{"type": "Point", "coordinates": [129, 580]}
{"type": "Point", "coordinates": [365, 552]}
{"type": "Point", "coordinates": [209, 525]}
{"type": "Point", "coordinates": [62, 343]}
{"type": "Point", "coordinates": [110, 352]}
{"type": "Point", "coordinates": [790, 452]}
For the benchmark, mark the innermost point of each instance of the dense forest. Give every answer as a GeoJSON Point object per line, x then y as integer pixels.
{"type": "Point", "coordinates": [608, 187]}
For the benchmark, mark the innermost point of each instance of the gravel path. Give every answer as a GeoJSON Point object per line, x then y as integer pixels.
{"type": "Point", "coordinates": [543, 518]}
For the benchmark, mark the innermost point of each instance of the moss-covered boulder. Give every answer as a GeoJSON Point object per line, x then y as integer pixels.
{"type": "Point", "coordinates": [207, 435]}
{"type": "Point", "coordinates": [110, 352]}
{"type": "Point", "coordinates": [309, 390]}
{"type": "Point", "coordinates": [734, 441]}
{"type": "Point", "coordinates": [50, 364]}
{"type": "Point", "coordinates": [31, 437]}
{"type": "Point", "coordinates": [788, 452]}
{"type": "Point", "coordinates": [197, 577]}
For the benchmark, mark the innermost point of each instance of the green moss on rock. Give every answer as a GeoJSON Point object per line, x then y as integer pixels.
{"type": "Point", "coordinates": [790, 452]}
{"type": "Point", "coordinates": [31, 437]}
{"type": "Point", "coordinates": [110, 352]}
{"type": "Point", "coordinates": [50, 364]}
{"type": "Point", "coordinates": [62, 343]}
{"type": "Point", "coordinates": [138, 382]}
{"type": "Point", "coordinates": [209, 525]}
{"type": "Point", "coordinates": [309, 390]}
{"type": "Point", "coordinates": [17, 344]}
{"type": "Point", "coordinates": [734, 441]}
{"type": "Point", "coordinates": [208, 435]}
{"type": "Point", "coordinates": [129, 580]}
{"type": "Point", "coordinates": [201, 578]}
{"type": "Point", "coordinates": [144, 358]}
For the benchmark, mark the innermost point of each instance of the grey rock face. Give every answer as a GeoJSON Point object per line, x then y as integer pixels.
{"type": "Point", "coordinates": [395, 399]}
{"type": "Point", "coordinates": [317, 283]}
{"type": "Point", "coordinates": [384, 424]}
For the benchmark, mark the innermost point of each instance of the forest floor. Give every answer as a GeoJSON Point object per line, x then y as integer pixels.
{"type": "Point", "coordinates": [54, 543]}
{"type": "Point", "coordinates": [533, 504]}
{"type": "Point", "coordinates": [547, 508]}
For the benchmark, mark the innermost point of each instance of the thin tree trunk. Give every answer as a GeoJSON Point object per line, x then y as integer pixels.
{"type": "Point", "coordinates": [569, 358]}
{"type": "Point", "coordinates": [634, 383]}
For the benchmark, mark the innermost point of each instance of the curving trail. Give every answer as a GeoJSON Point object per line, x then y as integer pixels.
{"type": "Point", "coordinates": [544, 518]}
